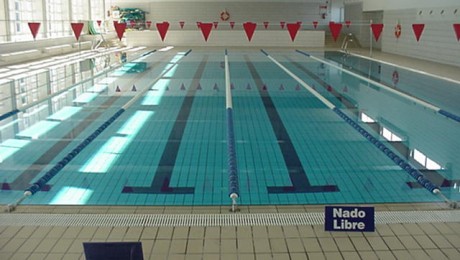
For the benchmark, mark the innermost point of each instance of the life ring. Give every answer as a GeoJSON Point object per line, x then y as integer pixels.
{"type": "Point", "coordinates": [395, 77]}
{"type": "Point", "coordinates": [398, 30]}
{"type": "Point", "coordinates": [224, 15]}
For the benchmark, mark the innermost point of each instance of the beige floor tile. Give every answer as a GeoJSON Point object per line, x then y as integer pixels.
{"type": "Point", "coordinates": [149, 233]}
{"type": "Point", "coordinates": [385, 254]}
{"type": "Point", "coordinates": [56, 232]}
{"type": "Point", "coordinates": [384, 230]}
{"type": "Point", "coordinates": [261, 245]}
{"type": "Point", "coordinates": [393, 243]}
{"type": "Point", "coordinates": [275, 232]}
{"type": "Point", "coordinates": [307, 231]}
{"type": "Point", "coordinates": [245, 246]}
{"type": "Point", "coordinates": [291, 232]}
{"type": "Point", "coordinates": [228, 246]}
{"type": "Point", "coordinates": [259, 232]}
{"type": "Point", "coordinates": [46, 245]}
{"type": "Point", "coordinates": [316, 255]}
{"type": "Point", "coordinates": [402, 254]}
{"type": "Point", "coordinates": [62, 245]}
{"type": "Point", "coordinates": [419, 254]}
{"type": "Point", "coordinates": [228, 232]}
{"type": "Point", "coordinates": [20, 256]}
{"type": "Point", "coordinates": [13, 245]}
{"type": "Point", "coordinates": [377, 243]}
{"type": "Point", "coordinates": [350, 255]}
{"type": "Point", "coordinates": [76, 246]}
{"type": "Point", "coordinates": [161, 247]}
{"type": "Point", "coordinates": [244, 232]}
{"type": "Point", "coordinates": [71, 232]}
{"type": "Point", "coordinates": [211, 246]}
{"type": "Point", "coordinates": [443, 228]}
{"type": "Point", "coordinates": [195, 246]}
{"type": "Point", "coordinates": [133, 234]}
{"type": "Point", "coordinates": [102, 233]}
{"type": "Point", "coordinates": [361, 243]}
{"type": "Point", "coordinates": [344, 244]}
{"type": "Point", "coordinates": [178, 246]}
{"type": "Point", "coordinates": [436, 254]}
{"type": "Point", "coordinates": [263, 256]}
{"type": "Point", "coordinates": [87, 233]}
{"type": "Point", "coordinates": [212, 232]}
{"type": "Point", "coordinates": [293, 256]}
{"type": "Point", "coordinates": [398, 229]}
{"type": "Point", "coordinates": [454, 240]}
{"type": "Point", "coordinates": [451, 253]}
{"type": "Point", "coordinates": [295, 245]}
{"type": "Point", "coordinates": [228, 256]}
{"type": "Point", "coordinates": [328, 244]}
{"type": "Point", "coordinates": [180, 233]}
{"type": "Point", "coordinates": [409, 242]}
{"type": "Point", "coordinates": [424, 241]}
{"type": "Point", "coordinates": [165, 232]}
{"type": "Point", "coordinates": [413, 229]}
{"type": "Point", "coordinates": [246, 256]}
{"type": "Point", "coordinates": [34, 256]}
{"type": "Point", "coordinates": [311, 245]}
{"type": "Point", "coordinates": [428, 228]}
{"type": "Point", "coordinates": [333, 255]}
{"type": "Point", "coordinates": [25, 232]}
{"type": "Point", "coordinates": [196, 233]}
{"type": "Point", "coordinates": [368, 255]}
{"type": "Point", "coordinates": [176, 256]}
{"type": "Point", "coordinates": [29, 245]}
{"type": "Point", "coordinates": [278, 245]}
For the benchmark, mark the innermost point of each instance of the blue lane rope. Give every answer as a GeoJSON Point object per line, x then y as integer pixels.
{"type": "Point", "coordinates": [38, 185]}
{"type": "Point", "coordinates": [417, 175]}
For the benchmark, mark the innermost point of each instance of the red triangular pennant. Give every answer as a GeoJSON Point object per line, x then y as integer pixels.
{"type": "Point", "coordinates": [99, 23]}
{"type": "Point", "coordinates": [335, 29]}
{"type": "Point", "coordinates": [315, 24]}
{"type": "Point", "coordinates": [163, 29]}
{"type": "Point", "coordinates": [34, 27]}
{"type": "Point", "coordinates": [120, 29]}
{"type": "Point", "coordinates": [181, 23]}
{"type": "Point", "coordinates": [293, 28]}
{"type": "Point", "coordinates": [205, 29]}
{"type": "Point", "coordinates": [249, 28]}
{"type": "Point", "coordinates": [198, 24]}
{"type": "Point", "coordinates": [347, 23]}
{"type": "Point", "coordinates": [418, 30]}
{"type": "Point", "coordinates": [457, 30]}
{"type": "Point", "coordinates": [215, 24]}
{"type": "Point", "coordinates": [132, 23]}
{"type": "Point", "coordinates": [232, 24]}
{"type": "Point", "coordinates": [266, 25]}
{"type": "Point", "coordinates": [77, 27]}
{"type": "Point", "coordinates": [148, 23]}
{"type": "Point", "coordinates": [377, 30]}
{"type": "Point", "coordinates": [282, 24]}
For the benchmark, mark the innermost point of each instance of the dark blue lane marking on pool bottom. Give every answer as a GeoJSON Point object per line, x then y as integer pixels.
{"type": "Point", "coordinates": [297, 175]}
{"type": "Point", "coordinates": [162, 178]}
{"type": "Point", "coordinates": [416, 174]}
{"type": "Point", "coordinates": [233, 184]}
{"type": "Point", "coordinates": [8, 114]}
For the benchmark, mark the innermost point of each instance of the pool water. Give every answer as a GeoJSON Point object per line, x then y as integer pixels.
{"type": "Point", "coordinates": [170, 146]}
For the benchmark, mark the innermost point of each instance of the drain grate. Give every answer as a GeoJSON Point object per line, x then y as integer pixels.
{"type": "Point", "coordinates": [263, 219]}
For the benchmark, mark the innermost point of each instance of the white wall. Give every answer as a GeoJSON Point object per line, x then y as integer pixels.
{"type": "Point", "coordinates": [376, 5]}
{"type": "Point", "coordinates": [261, 38]}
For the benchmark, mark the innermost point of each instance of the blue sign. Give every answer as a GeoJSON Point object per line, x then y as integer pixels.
{"type": "Point", "coordinates": [358, 219]}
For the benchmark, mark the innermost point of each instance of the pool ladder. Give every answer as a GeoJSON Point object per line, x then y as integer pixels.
{"type": "Point", "coordinates": [349, 38]}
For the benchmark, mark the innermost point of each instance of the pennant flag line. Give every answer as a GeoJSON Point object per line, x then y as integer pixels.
{"type": "Point", "coordinates": [348, 23]}
{"type": "Point", "coordinates": [181, 23]}
{"type": "Point", "coordinates": [249, 28]}
{"type": "Point", "coordinates": [205, 29]}
{"type": "Point", "coordinates": [163, 29]}
{"type": "Point", "coordinates": [335, 29]}
{"type": "Point", "coordinates": [232, 24]}
{"type": "Point", "coordinates": [377, 30]}
{"type": "Point", "coordinates": [418, 30]}
{"type": "Point", "coordinates": [266, 25]}
{"type": "Point", "coordinates": [120, 29]}
{"type": "Point", "coordinates": [293, 28]}
{"type": "Point", "coordinates": [457, 30]}
{"type": "Point", "coordinates": [148, 23]}
{"type": "Point", "coordinates": [99, 23]}
{"type": "Point", "coordinates": [282, 24]}
{"type": "Point", "coordinates": [215, 24]}
{"type": "Point", "coordinates": [315, 24]}
{"type": "Point", "coordinates": [34, 27]}
{"type": "Point", "coordinates": [76, 28]}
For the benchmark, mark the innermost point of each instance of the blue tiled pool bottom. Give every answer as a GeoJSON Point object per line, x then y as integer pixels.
{"type": "Point", "coordinates": [170, 147]}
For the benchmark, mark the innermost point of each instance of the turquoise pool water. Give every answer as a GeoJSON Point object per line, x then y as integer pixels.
{"type": "Point", "coordinates": [170, 146]}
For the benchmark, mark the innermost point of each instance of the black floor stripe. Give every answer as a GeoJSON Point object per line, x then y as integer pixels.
{"type": "Point", "coordinates": [298, 176]}
{"type": "Point", "coordinates": [162, 178]}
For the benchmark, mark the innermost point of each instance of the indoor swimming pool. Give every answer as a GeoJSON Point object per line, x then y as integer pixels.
{"type": "Point", "coordinates": [154, 132]}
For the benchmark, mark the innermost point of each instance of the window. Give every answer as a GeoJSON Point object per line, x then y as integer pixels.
{"type": "Point", "coordinates": [425, 161]}
{"type": "Point", "coordinates": [79, 10]}
{"type": "Point", "coordinates": [366, 119]}
{"type": "Point", "coordinates": [20, 12]}
{"type": "Point", "coordinates": [58, 18]}
{"type": "Point", "coordinates": [390, 136]}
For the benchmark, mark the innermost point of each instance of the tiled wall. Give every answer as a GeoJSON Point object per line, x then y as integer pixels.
{"type": "Point", "coordinates": [438, 41]}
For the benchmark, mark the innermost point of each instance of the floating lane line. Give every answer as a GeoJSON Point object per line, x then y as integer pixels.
{"type": "Point", "coordinates": [233, 183]}
{"type": "Point", "coordinates": [413, 99]}
{"type": "Point", "coordinates": [416, 174]}
{"type": "Point", "coordinates": [401, 94]}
